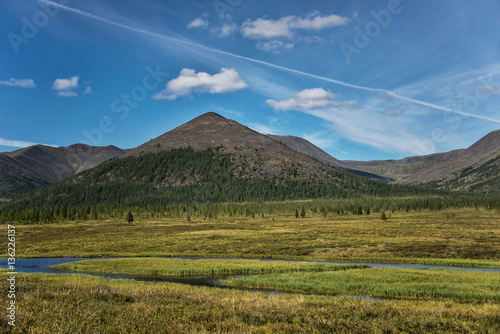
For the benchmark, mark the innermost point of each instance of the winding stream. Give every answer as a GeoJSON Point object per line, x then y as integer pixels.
{"type": "Point", "coordinates": [42, 265]}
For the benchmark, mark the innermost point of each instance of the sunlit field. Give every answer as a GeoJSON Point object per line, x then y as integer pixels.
{"type": "Point", "coordinates": [452, 237]}
{"type": "Point", "coordinates": [458, 285]}
{"type": "Point", "coordinates": [181, 267]}
{"type": "Point", "coordinates": [85, 304]}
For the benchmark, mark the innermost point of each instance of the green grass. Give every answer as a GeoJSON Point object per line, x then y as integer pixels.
{"type": "Point", "coordinates": [384, 283]}
{"type": "Point", "coordinates": [85, 304]}
{"type": "Point", "coordinates": [451, 237]}
{"type": "Point", "coordinates": [182, 267]}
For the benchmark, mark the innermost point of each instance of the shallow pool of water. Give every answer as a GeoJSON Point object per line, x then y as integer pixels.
{"type": "Point", "coordinates": [42, 265]}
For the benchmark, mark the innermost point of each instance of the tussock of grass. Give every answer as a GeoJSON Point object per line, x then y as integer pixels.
{"type": "Point", "coordinates": [384, 282]}
{"type": "Point", "coordinates": [191, 267]}
{"type": "Point", "coordinates": [86, 304]}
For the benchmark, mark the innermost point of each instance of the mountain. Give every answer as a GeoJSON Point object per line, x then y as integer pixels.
{"type": "Point", "coordinates": [260, 154]}
{"type": "Point", "coordinates": [249, 156]}
{"type": "Point", "coordinates": [475, 168]}
{"type": "Point", "coordinates": [209, 159]}
{"type": "Point", "coordinates": [396, 170]}
{"type": "Point", "coordinates": [36, 166]}
{"type": "Point", "coordinates": [305, 147]}
{"type": "Point", "coordinates": [481, 152]}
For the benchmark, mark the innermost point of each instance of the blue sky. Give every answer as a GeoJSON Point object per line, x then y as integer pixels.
{"type": "Point", "coordinates": [363, 80]}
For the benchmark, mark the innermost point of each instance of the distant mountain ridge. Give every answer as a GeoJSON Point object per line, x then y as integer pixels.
{"type": "Point", "coordinates": [37, 166]}
{"type": "Point", "coordinates": [475, 168]}
{"type": "Point", "coordinates": [305, 147]}
{"type": "Point", "coordinates": [258, 156]}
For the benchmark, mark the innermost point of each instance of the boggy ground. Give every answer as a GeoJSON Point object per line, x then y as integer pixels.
{"type": "Point", "coordinates": [49, 303]}
{"type": "Point", "coordinates": [453, 237]}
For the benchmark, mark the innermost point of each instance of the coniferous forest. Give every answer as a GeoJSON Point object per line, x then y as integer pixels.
{"type": "Point", "coordinates": [210, 183]}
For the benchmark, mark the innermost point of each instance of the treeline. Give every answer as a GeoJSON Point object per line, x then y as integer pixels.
{"type": "Point", "coordinates": [160, 184]}
{"type": "Point", "coordinates": [317, 208]}
{"type": "Point", "coordinates": [187, 176]}
{"type": "Point", "coordinates": [484, 179]}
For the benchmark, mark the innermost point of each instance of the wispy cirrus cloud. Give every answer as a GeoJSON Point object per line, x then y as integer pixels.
{"type": "Point", "coordinates": [310, 99]}
{"type": "Point", "coordinates": [188, 82]}
{"type": "Point", "coordinates": [262, 128]}
{"type": "Point", "coordinates": [23, 83]}
{"type": "Point", "coordinates": [223, 110]}
{"type": "Point", "coordinates": [189, 43]}
{"type": "Point", "coordinates": [19, 143]}
{"type": "Point", "coordinates": [359, 123]}
{"type": "Point", "coordinates": [274, 46]}
{"type": "Point", "coordinates": [321, 139]}
{"type": "Point", "coordinates": [486, 89]}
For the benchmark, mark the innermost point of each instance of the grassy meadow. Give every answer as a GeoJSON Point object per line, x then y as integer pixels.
{"type": "Point", "coordinates": [187, 267]}
{"type": "Point", "coordinates": [451, 237]}
{"type": "Point", "coordinates": [458, 285]}
{"type": "Point", "coordinates": [49, 303]}
{"type": "Point", "coordinates": [319, 295]}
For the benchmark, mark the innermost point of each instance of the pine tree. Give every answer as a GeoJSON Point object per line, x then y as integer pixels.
{"type": "Point", "coordinates": [296, 213]}
{"type": "Point", "coordinates": [303, 212]}
{"type": "Point", "coordinates": [130, 217]}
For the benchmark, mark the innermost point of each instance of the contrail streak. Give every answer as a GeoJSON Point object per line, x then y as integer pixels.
{"type": "Point", "coordinates": [283, 68]}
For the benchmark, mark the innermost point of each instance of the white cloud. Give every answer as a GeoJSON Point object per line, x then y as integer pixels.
{"type": "Point", "coordinates": [19, 143]}
{"type": "Point", "coordinates": [310, 99]}
{"type": "Point", "coordinates": [66, 93]}
{"type": "Point", "coordinates": [228, 80]}
{"type": "Point", "coordinates": [267, 29]}
{"type": "Point", "coordinates": [227, 29]}
{"type": "Point", "coordinates": [23, 83]}
{"type": "Point", "coordinates": [311, 39]}
{"type": "Point", "coordinates": [284, 27]}
{"type": "Point", "coordinates": [274, 46]}
{"type": "Point", "coordinates": [66, 87]}
{"type": "Point", "coordinates": [64, 84]}
{"type": "Point", "coordinates": [87, 90]}
{"type": "Point", "coordinates": [486, 89]}
{"type": "Point", "coordinates": [319, 22]}
{"type": "Point", "coordinates": [200, 22]}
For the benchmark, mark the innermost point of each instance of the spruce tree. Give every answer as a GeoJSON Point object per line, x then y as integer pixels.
{"type": "Point", "coordinates": [130, 217]}
{"type": "Point", "coordinates": [383, 216]}
{"type": "Point", "coordinates": [302, 212]}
